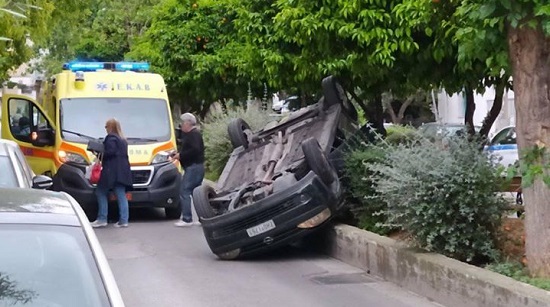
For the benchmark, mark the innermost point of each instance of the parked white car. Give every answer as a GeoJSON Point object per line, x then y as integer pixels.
{"type": "Point", "coordinates": [15, 171]}
{"type": "Point", "coordinates": [50, 255]}
{"type": "Point", "coordinates": [504, 146]}
{"type": "Point", "coordinates": [292, 103]}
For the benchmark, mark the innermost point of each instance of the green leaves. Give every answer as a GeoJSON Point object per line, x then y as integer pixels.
{"type": "Point", "coordinates": [14, 13]}
{"type": "Point", "coordinates": [443, 197]}
{"type": "Point", "coordinates": [487, 10]}
{"type": "Point", "coordinates": [21, 20]}
{"type": "Point", "coordinates": [535, 164]}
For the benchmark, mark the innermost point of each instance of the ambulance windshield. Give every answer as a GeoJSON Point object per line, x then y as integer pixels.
{"type": "Point", "coordinates": [143, 120]}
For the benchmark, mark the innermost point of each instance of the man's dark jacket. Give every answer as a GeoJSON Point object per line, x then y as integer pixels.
{"type": "Point", "coordinates": [192, 148]}
{"type": "Point", "coordinates": [115, 162]}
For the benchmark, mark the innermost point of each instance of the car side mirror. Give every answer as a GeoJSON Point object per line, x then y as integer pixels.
{"type": "Point", "coordinates": [177, 134]}
{"type": "Point", "coordinates": [43, 137]}
{"type": "Point", "coordinates": [42, 182]}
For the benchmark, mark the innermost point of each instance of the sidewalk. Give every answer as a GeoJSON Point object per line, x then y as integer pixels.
{"type": "Point", "coordinates": [444, 280]}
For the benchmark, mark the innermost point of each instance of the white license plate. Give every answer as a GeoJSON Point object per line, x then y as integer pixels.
{"type": "Point", "coordinates": [259, 229]}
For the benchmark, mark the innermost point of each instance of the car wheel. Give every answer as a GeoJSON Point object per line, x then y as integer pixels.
{"type": "Point", "coordinates": [317, 160]}
{"type": "Point", "coordinates": [201, 200]}
{"type": "Point", "coordinates": [330, 92]}
{"type": "Point", "coordinates": [172, 213]}
{"type": "Point", "coordinates": [334, 93]}
{"type": "Point", "coordinates": [236, 130]}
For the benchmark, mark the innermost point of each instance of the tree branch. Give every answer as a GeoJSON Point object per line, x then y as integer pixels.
{"type": "Point", "coordinates": [470, 109]}
{"type": "Point", "coordinates": [391, 112]}
{"type": "Point", "coordinates": [492, 115]}
{"type": "Point", "coordinates": [403, 108]}
{"type": "Point", "coordinates": [359, 101]}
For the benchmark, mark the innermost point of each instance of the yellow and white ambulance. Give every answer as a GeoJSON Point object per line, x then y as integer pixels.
{"type": "Point", "coordinates": [75, 104]}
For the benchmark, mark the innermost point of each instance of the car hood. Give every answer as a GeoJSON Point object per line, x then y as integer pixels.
{"type": "Point", "coordinates": [29, 200]}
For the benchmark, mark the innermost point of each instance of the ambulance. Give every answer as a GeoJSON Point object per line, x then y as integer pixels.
{"type": "Point", "coordinates": [75, 104]}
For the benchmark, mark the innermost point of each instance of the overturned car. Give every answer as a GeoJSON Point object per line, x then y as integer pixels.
{"type": "Point", "coordinates": [279, 183]}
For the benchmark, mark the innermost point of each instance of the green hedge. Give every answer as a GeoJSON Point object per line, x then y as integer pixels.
{"type": "Point", "coordinates": [442, 197]}
{"type": "Point", "coordinates": [216, 139]}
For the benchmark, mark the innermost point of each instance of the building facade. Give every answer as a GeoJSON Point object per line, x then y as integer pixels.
{"type": "Point", "coordinates": [452, 108]}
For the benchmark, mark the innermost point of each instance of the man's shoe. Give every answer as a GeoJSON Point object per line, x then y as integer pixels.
{"type": "Point", "coordinates": [181, 223]}
{"type": "Point", "coordinates": [97, 224]}
{"type": "Point", "coordinates": [120, 225]}
{"type": "Point", "coordinates": [197, 223]}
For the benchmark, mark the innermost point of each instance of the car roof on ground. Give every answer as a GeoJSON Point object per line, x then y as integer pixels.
{"type": "Point", "coordinates": [30, 206]}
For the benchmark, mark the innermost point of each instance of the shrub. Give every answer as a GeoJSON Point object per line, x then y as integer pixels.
{"type": "Point", "coordinates": [360, 193]}
{"type": "Point", "coordinates": [367, 209]}
{"type": "Point", "coordinates": [398, 134]}
{"type": "Point", "coordinates": [217, 145]}
{"type": "Point", "coordinates": [518, 272]}
{"type": "Point", "coordinates": [444, 198]}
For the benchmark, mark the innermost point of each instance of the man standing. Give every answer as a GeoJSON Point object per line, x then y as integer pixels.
{"type": "Point", "coordinates": [191, 158]}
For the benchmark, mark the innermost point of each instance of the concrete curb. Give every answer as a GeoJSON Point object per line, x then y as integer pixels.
{"type": "Point", "coordinates": [444, 280]}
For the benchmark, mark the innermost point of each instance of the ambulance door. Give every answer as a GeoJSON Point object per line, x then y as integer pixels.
{"type": "Point", "coordinates": [24, 122]}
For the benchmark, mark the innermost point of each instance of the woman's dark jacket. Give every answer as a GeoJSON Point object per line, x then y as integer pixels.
{"type": "Point", "coordinates": [115, 163]}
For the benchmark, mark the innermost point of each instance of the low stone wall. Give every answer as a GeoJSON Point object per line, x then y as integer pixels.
{"type": "Point", "coordinates": [444, 280]}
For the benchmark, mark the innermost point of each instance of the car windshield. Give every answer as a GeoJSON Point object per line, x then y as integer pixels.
{"type": "Point", "coordinates": [142, 120]}
{"type": "Point", "coordinates": [46, 265]}
{"type": "Point", "coordinates": [505, 137]}
{"type": "Point", "coordinates": [8, 178]}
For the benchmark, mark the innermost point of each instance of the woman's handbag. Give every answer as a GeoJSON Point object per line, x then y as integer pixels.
{"type": "Point", "coordinates": [93, 172]}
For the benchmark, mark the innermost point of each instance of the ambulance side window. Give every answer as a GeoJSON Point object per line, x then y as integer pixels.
{"type": "Point", "coordinates": [20, 118]}
{"type": "Point", "coordinates": [39, 120]}
{"type": "Point", "coordinates": [25, 118]}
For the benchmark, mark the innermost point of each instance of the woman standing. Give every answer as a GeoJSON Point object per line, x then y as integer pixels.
{"type": "Point", "coordinates": [115, 175]}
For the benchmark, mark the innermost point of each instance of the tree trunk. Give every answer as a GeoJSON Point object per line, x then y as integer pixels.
{"type": "Point", "coordinates": [403, 108]}
{"type": "Point", "coordinates": [359, 101]}
{"type": "Point", "coordinates": [470, 110]}
{"type": "Point", "coordinates": [530, 56]}
{"type": "Point", "coordinates": [495, 109]}
{"type": "Point", "coordinates": [391, 112]}
{"type": "Point", "coordinates": [376, 114]}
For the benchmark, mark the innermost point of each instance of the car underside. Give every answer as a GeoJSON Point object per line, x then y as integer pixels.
{"type": "Point", "coordinates": [278, 183]}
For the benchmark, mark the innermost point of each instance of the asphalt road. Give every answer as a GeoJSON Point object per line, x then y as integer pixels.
{"type": "Point", "coordinates": [157, 264]}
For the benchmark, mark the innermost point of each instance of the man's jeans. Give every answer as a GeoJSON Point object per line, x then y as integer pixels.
{"type": "Point", "coordinates": [192, 178]}
{"type": "Point", "coordinates": [102, 203]}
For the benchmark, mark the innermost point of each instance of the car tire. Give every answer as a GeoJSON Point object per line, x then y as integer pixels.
{"type": "Point", "coordinates": [330, 92]}
{"type": "Point", "coordinates": [172, 213]}
{"type": "Point", "coordinates": [201, 200]}
{"type": "Point", "coordinates": [334, 93]}
{"type": "Point", "coordinates": [317, 160]}
{"type": "Point", "coordinates": [236, 130]}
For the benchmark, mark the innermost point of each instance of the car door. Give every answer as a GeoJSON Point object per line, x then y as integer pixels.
{"type": "Point", "coordinates": [22, 121]}
{"type": "Point", "coordinates": [504, 146]}
{"type": "Point", "coordinates": [22, 171]}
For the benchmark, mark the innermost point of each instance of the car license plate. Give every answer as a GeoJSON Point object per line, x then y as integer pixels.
{"type": "Point", "coordinates": [261, 228]}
